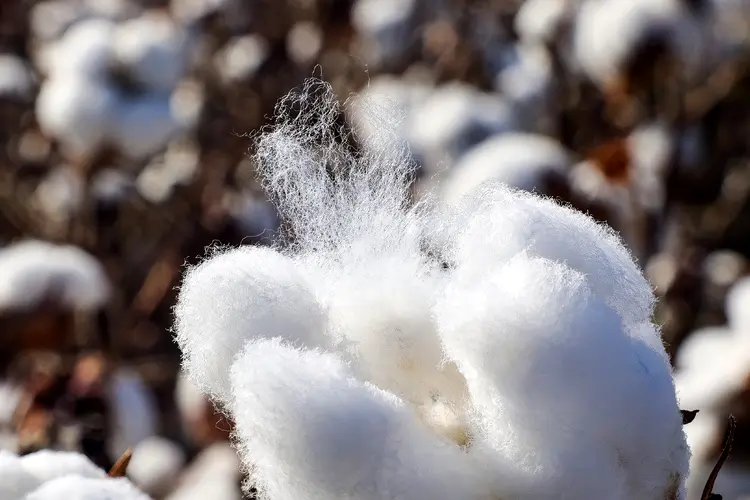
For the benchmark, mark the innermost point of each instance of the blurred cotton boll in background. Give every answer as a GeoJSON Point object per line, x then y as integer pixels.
{"type": "Point", "coordinates": [36, 271]}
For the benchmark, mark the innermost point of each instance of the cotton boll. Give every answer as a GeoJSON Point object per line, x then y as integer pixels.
{"type": "Point", "coordinates": [526, 82]}
{"type": "Point", "coordinates": [334, 437]}
{"type": "Point", "coordinates": [545, 357]}
{"type": "Point", "coordinates": [47, 465]}
{"type": "Point", "coordinates": [241, 58]}
{"type": "Point", "coordinates": [503, 222]}
{"type": "Point", "coordinates": [452, 120]}
{"type": "Point", "coordinates": [234, 297]}
{"type": "Point", "coordinates": [154, 48]}
{"type": "Point", "coordinates": [721, 373]}
{"type": "Point", "coordinates": [738, 307]}
{"type": "Point", "coordinates": [83, 488]}
{"type": "Point", "coordinates": [524, 161]}
{"type": "Point", "coordinates": [215, 473]}
{"type": "Point", "coordinates": [704, 435]}
{"type": "Point", "coordinates": [85, 51]}
{"type": "Point", "coordinates": [191, 402]}
{"type": "Point", "coordinates": [60, 195]}
{"type": "Point", "coordinates": [703, 345]}
{"type": "Point", "coordinates": [15, 481]}
{"type": "Point", "coordinates": [134, 408]}
{"type": "Point", "coordinates": [155, 465]}
{"type": "Point", "coordinates": [49, 19]}
{"type": "Point", "coordinates": [32, 271]}
{"type": "Point", "coordinates": [538, 21]}
{"type": "Point", "coordinates": [608, 33]}
{"type": "Point", "coordinates": [386, 26]}
{"type": "Point", "coordinates": [16, 79]}
{"type": "Point", "coordinates": [143, 125]}
{"type": "Point", "coordinates": [76, 111]}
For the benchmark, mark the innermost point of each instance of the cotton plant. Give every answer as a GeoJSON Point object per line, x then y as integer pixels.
{"type": "Point", "coordinates": [497, 347]}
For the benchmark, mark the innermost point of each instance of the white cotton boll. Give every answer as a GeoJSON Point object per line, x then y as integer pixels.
{"type": "Point", "coordinates": [334, 437]}
{"type": "Point", "coordinates": [650, 148]}
{"type": "Point", "coordinates": [154, 48]}
{"type": "Point", "coordinates": [143, 125]}
{"type": "Point", "coordinates": [718, 375]}
{"type": "Point", "coordinates": [522, 161]}
{"type": "Point", "coordinates": [538, 21]}
{"type": "Point", "coordinates": [703, 435]}
{"type": "Point", "coordinates": [209, 487]}
{"type": "Point", "coordinates": [607, 33]}
{"type": "Point", "coordinates": [386, 26]}
{"type": "Point", "coordinates": [214, 473]}
{"type": "Point", "coordinates": [241, 58]}
{"type": "Point", "coordinates": [49, 19]}
{"type": "Point", "coordinates": [15, 481]}
{"type": "Point", "coordinates": [452, 120]}
{"type": "Point", "coordinates": [704, 345]}
{"type": "Point", "coordinates": [545, 357]}
{"type": "Point", "coordinates": [503, 222]}
{"type": "Point", "coordinates": [234, 297]}
{"type": "Point", "coordinates": [16, 79]}
{"type": "Point", "coordinates": [155, 465]}
{"type": "Point", "coordinates": [303, 42]}
{"type": "Point", "coordinates": [738, 307]}
{"type": "Point", "coordinates": [84, 488]}
{"type": "Point", "coordinates": [85, 51]}
{"type": "Point", "coordinates": [76, 111]}
{"type": "Point", "coordinates": [526, 82]}
{"type": "Point", "coordinates": [134, 408]}
{"type": "Point", "coordinates": [47, 465]}
{"type": "Point", "coordinates": [32, 271]}
{"type": "Point", "coordinates": [60, 194]}
{"type": "Point", "coordinates": [191, 402]}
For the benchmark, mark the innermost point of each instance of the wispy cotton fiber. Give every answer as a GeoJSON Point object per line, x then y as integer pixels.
{"type": "Point", "coordinates": [497, 347]}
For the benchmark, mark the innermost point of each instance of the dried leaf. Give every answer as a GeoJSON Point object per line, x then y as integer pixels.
{"type": "Point", "coordinates": [118, 470]}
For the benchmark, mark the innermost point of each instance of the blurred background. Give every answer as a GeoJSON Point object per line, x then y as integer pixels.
{"type": "Point", "coordinates": [125, 151]}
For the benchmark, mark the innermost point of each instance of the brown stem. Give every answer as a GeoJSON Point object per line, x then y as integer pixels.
{"type": "Point", "coordinates": [708, 489]}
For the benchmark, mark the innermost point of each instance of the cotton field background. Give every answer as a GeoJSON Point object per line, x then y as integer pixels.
{"type": "Point", "coordinates": [349, 292]}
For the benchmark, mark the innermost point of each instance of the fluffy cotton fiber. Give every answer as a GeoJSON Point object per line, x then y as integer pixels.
{"type": "Point", "coordinates": [501, 347]}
